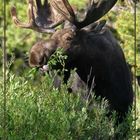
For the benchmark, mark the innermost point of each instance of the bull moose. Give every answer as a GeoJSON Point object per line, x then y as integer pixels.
{"type": "Point", "coordinates": [90, 48]}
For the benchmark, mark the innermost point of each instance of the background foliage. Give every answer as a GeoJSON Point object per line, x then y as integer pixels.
{"type": "Point", "coordinates": [43, 112]}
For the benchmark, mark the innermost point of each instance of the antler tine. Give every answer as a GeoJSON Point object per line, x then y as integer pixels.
{"type": "Point", "coordinates": [31, 13]}
{"type": "Point", "coordinates": [31, 21]}
{"type": "Point", "coordinates": [96, 11]}
{"type": "Point", "coordinates": [38, 3]}
{"type": "Point", "coordinates": [53, 3]}
{"type": "Point", "coordinates": [70, 15]}
{"type": "Point", "coordinates": [16, 20]}
{"type": "Point", "coordinates": [69, 8]}
{"type": "Point", "coordinates": [46, 3]}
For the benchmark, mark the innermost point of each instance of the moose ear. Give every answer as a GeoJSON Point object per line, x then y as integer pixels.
{"type": "Point", "coordinates": [33, 59]}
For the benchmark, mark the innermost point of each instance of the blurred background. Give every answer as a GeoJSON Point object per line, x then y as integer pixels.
{"type": "Point", "coordinates": [29, 105]}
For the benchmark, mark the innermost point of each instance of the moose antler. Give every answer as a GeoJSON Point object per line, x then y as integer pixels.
{"type": "Point", "coordinates": [42, 18]}
{"type": "Point", "coordinates": [45, 17]}
{"type": "Point", "coordinates": [95, 12]}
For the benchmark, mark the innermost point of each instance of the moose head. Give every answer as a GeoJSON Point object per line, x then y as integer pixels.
{"type": "Point", "coordinates": [90, 48]}
{"type": "Point", "coordinates": [45, 17]}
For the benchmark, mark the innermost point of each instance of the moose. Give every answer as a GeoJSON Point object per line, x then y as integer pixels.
{"type": "Point", "coordinates": [89, 45]}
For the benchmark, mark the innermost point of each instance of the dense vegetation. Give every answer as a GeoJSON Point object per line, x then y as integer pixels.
{"type": "Point", "coordinates": [35, 110]}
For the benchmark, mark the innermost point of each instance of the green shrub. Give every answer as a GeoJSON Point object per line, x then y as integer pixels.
{"type": "Point", "coordinates": [35, 110]}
